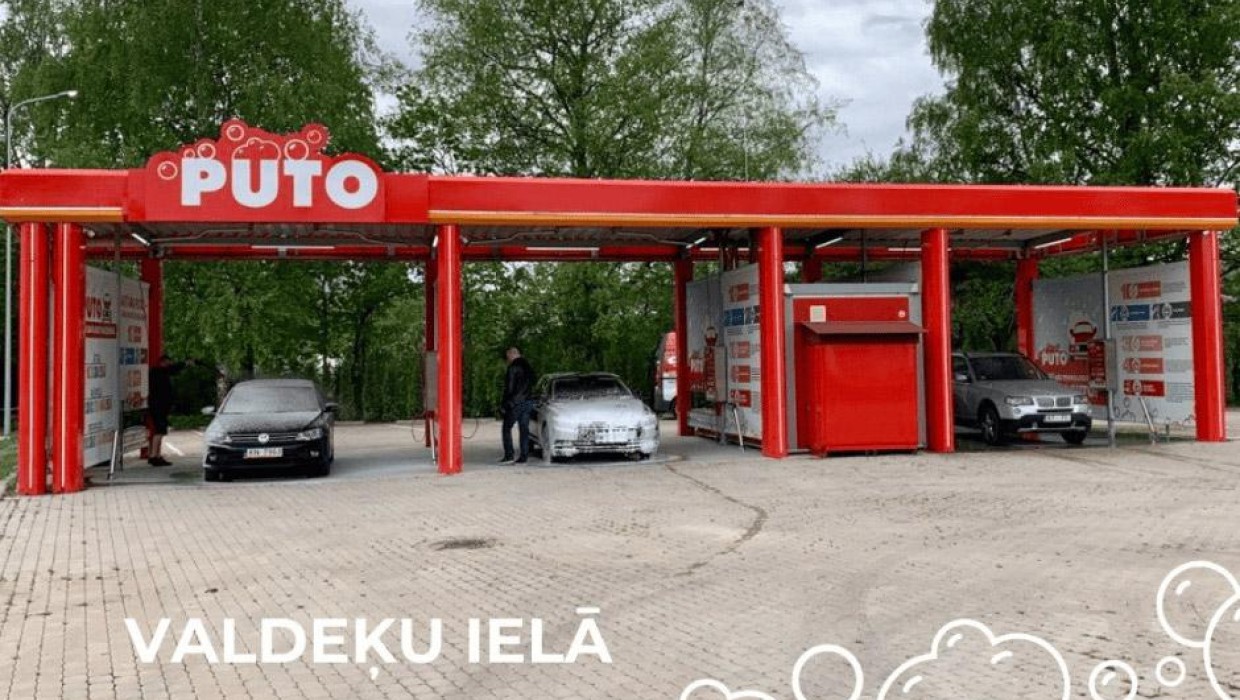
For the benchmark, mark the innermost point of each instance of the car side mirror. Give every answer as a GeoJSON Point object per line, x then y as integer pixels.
{"type": "Point", "coordinates": [331, 407]}
{"type": "Point", "coordinates": [962, 378]}
{"type": "Point", "coordinates": [208, 410]}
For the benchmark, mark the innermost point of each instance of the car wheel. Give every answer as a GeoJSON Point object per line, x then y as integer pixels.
{"type": "Point", "coordinates": [210, 475]}
{"type": "Point", "coordinates": [1075, 437]}
{"type": "Point", "coordinates": [988, 421]}
{"type": "Point", "coordinates": [544, 443]}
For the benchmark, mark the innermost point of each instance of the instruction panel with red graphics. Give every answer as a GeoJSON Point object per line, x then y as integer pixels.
{"type": "Point", "coordinates": [1151, 321]}
{"type": "Point", "coordinates": [1151, 325]}
{"type": "Point", "coordinates": [116, 357]}
{"type": "Point", "coordinates": [724, 351]}
{"type": "Point", "coordinates": [741, 344]}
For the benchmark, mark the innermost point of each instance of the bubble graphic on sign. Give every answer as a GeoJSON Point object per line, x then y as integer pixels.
{"type": "Point", "coordinates": [167, 170]}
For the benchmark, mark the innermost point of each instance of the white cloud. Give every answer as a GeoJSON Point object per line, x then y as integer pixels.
{"type": "Point", "coordinates": [869, 53]}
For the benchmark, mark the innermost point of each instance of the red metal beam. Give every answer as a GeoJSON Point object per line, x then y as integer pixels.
{"type": "Point", "coordinates": [1205, 282]}
{"type": "Point", "coordinates": [62, 195]}
{"type": "Point", "coordinates": [774, 385]}
{"type": "Point", "coordinates": [937, 318]}
{"type": "Point", "coordinates": [69, 354]}
{"type": "Point", "coordinates": [32, 361]}
{"type": "Point", "coordinates": [537, 201]}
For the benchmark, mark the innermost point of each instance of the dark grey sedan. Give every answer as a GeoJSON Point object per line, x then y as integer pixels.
{"type": "Point", "coordinates": [269, 426]}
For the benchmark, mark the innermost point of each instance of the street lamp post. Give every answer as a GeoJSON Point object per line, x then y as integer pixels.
{"type": "Point", "coordinates": [8, 257]}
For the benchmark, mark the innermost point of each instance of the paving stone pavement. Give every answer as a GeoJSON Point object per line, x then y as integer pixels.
{"type": "Point", "coordinates": [720, 564]}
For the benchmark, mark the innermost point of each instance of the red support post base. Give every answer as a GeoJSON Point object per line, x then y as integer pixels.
{"type": "Point", "coordinates": [448, 336]}
{"type": "Point", "coordinates": [1205, 283]}
{"type": "Point", "coordinates": [32, 362]}
{"type": "Point", "coordinates": [936, 305]}
{"type": "Point", "coordinates": [774, 384]}
{"type": "Point", "coordinates": [69, 351]}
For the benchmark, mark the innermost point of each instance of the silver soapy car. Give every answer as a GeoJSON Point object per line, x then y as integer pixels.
{"type": "Point", "coordinates": [1005, 394]}
{"type": "Point", "coordinates": [589, 413]}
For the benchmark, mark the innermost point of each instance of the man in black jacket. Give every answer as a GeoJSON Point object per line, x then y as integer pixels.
{"type": "Point", "coordinates": [516, 405]}
{"type": "Point", "coordinates": [159, 406]}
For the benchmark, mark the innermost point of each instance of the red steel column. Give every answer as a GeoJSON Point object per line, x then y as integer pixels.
{"type": "Point", "coordinates": [448, 334]}
{"type": "Point", "coordinates": [428, 294]}
{"type": "Point", "coordinates": [32, 362]}
{"type": "Point", "coordinates": [811, 270]}
{"type": "Point", "coordinates": [69, 358]}
{"type": "Point", "coordinates": [936, 315]}
{"type": "Point", "coordinates": [1026, 273]}
{"type": "Point", "coordinates": [771, 327]}
{"type": "Point", "coordinates": [1205, 285]}
{"type": "Point", "coordinates": [152, 272]}
{"type": "Point", "coordinates": [682, 273]}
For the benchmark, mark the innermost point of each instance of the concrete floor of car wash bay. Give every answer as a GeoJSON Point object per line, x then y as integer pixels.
{"type": "Point", "coordinates": [376, 450]}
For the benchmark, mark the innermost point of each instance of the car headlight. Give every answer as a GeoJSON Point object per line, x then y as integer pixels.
{"type": "Point", "coordinates": [311, 434]}
{"type": "Point", "coordinates": [215, 436]}
{"type": "Point", "coordinates": [1081, 399]}
{"type": "Point", "coordinates": [1018, 400]}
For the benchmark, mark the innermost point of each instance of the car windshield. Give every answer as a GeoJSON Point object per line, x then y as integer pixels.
{"type": "Point", "coordinates": [588, 387]}
{"type": "Point", "coordinates": [999, 368]}
{"type": "Point", "coordinates": [271, 399]}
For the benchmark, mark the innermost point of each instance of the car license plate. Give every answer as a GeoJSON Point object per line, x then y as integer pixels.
{"type": "Point", "coordinates": [264, 452]}
{"type": "Point", "coordinates": [1057, 418]}
{"type": "Point", "coordinates": [612, 437]}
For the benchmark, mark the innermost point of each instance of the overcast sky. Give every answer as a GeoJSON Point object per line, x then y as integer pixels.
{"type": "Point", "coordinates": [869, 53]}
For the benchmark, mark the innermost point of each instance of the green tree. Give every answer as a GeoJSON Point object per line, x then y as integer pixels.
{"type": "Point", "coordinates": [698, 89]}
{"type": "Point", "coordinates": [1096, 92]}
{"type": "Point", "coordinates": [1138, 92]}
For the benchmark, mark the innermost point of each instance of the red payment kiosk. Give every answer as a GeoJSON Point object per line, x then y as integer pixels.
{"type": "Point", "coordinates": [856, 368]}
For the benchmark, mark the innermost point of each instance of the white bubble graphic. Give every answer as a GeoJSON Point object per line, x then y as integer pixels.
{"type": "Point", "coordinates": [858, 676]}
{"type": "Point", "coordinates": [1188, 598]}
{"type": "Point", "coordinates": [1222, 650]}
{"type": "Point", "coordinates": [967, 660]}
{"type": "Point", "coordinates": [711, 689]}
{"type": "Point", "coordinates": [1113, 680]}
{"type": "Point", "coordinates": [1181, 672]}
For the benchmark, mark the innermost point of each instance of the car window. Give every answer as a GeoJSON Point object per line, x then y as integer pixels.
{"type": "Point", "coordinates": [271, 399]}
{"type": "Point", "coordinates": [999, 368]}
{"type": "Point", "coordinates": [588, 387]}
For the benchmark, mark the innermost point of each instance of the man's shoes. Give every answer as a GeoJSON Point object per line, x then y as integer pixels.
{"type": "Point", "coordinates": [521, 460]}
{"type": "Point", "coordinates": [158, 462]}
{"type": "Point", "coordinates": [507, 460]}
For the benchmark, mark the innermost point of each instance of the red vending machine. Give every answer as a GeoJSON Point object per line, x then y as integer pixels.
{"type": "Point", "coordinates": [857, 372]}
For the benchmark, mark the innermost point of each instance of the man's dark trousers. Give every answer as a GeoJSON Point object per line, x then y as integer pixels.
{"type": "Point", "coordinates": [518, 415]}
